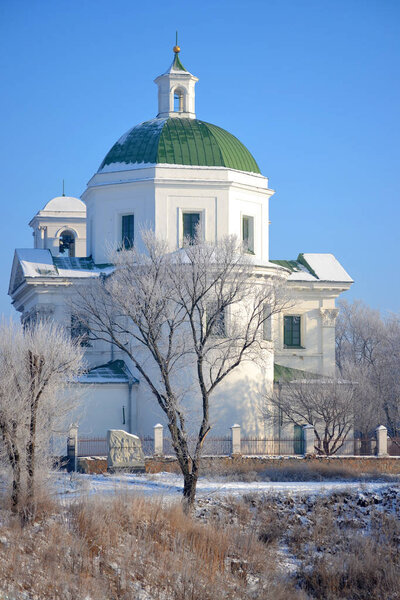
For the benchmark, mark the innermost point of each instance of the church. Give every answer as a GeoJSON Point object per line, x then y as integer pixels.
{"type": "Point", "coordinates": [173, 174]}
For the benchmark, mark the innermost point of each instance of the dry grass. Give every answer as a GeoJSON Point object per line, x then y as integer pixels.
{"type": "Point", "coordinates": [136, 548]}
{"type": "Point", "coordinates": [125, 547]}
{"type": "Point", "coordinates": [292, 470]}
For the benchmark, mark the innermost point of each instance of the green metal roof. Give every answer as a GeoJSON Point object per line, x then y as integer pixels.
{"type": "Point", "coordinates": [296, 265]}
{"type": "Point", "coordinates": [177, 64]}
{"type": "Point", "coordinates": [180, 141]}
{"type": "Point", "coordinates": [283, 374]}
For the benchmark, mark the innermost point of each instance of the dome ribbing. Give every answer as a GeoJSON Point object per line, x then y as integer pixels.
{"type": "Point", "coordinates": [179, 141]}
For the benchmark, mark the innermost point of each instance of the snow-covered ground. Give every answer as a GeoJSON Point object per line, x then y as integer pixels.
{"type": "Point", "coordinates": [169, 486]}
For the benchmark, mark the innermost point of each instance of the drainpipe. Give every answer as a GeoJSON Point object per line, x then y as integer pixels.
{"type": "Point", "coordinates": [130, 383]}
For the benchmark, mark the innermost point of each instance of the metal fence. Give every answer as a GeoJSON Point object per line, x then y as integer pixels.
{"type": "Point", "coordinates": [213, 446]}
{"type": "Point", "coordinates": [353, 447]}
{"type": "Point", "coordinates": [92, 446]}
{"type": "Point", "coordinates": [252, 446]}
{"type": "Point", "coordinates": [147, 445]}
{"type": "Point", "coordinates": [394, 446]}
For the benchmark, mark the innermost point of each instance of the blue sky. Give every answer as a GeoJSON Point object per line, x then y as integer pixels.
{"type": "Point", "coordinates": [311, 87]}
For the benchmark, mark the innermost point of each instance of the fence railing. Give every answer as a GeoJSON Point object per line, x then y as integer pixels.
{"type": "Point", "coordinates": [252, 446]}
{"type": "Point", "coordinates": [235, 444]}
{"type": "Point", "coordinates": [394, 446]}
{"type": "Point", "coordinates": [214, 446]}
{"type": "Point", "coordinates": [92, 446]}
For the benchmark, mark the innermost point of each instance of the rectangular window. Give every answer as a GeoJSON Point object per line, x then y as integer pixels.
{"type": "Point", "coordinates": [80, 330]}
{"type": "Point", "coordinates": [248, 234]}
{"type": "Point", "coordinates": [216, 318]}
{"type": "Point", "coordinates": [191, 224]}
{"type": "Point", "coordinates": [291, 332]}
{"type": "Point", "coordinates": [127, 234]}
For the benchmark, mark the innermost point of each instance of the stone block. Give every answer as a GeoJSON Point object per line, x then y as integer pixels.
{"type": "Point", "coordinates": [124, 451]}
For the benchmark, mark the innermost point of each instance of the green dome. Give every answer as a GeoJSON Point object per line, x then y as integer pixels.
{"type": "Point", "coordinates": [179, 141]}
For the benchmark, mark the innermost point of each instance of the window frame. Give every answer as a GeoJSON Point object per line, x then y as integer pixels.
{"type": "Point", "coordinates": [247, 247]}
{"type": "Point", "coordinates": [217, 330]}
{"type": "Point", "coordinates": [202, 221]}
{"type": "Point", "coordinates": [290, 333]}
{"type": "Point", "coordinates": [80, 330]}
{"type": "Point", "coordinates": [123, 239]}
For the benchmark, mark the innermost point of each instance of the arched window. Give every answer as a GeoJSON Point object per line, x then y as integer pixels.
{"type": "Point", "coordinates": [67, 243]}
{"type": "Point", "coordinates": [178, 101]}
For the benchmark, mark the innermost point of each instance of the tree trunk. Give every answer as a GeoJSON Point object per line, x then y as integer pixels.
{"type": "Point", "coordinates": [14, 459]}
{"type": "Point", "coordinates": [36, 366]}
{"type": "Point", "coordinates": [15, 464]}
{"type": "Point", "coordinates": [189, 490]}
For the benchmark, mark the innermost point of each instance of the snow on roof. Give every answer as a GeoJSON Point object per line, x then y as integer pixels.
{"type": "Point", "coordinates": [315, 267]}
{"type": "Point", "coordinates": [122, 166]}
{"type": "Point", "coordinates": [64, 204]}
{"type": "Point", "coordinates": [112, 372]}
{"type": "Point", "coordinates": [79, 267]}
{"type": "Point", "coordinates": [327, 267]}
{"type": "Point", "coordinates": [36, 262]}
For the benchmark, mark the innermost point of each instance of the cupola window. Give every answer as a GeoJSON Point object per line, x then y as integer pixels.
{"type": "Point", "coordinates": [67, 243]}
{"type": "Point", "coordinates": [127, 233]}
{"type": "Point", "coordinates": [178, 101]}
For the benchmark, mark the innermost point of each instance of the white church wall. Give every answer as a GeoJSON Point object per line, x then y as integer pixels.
{"type": "Point", "coordinates": [238, 399]}
{"type": "Point", "coordinates": [105, 208]}
{"type": "Point", "coordinates": [102, 407]}
{"type": "Point", "coordinates": [157, 196]}
{"type": "Point", "coordinates": [317, 354]}
{"type": "Point", "coordinates": [255, 205]}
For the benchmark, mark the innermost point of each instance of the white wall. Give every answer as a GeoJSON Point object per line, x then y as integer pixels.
{"type": "Point", "coordinates": [158, 195]}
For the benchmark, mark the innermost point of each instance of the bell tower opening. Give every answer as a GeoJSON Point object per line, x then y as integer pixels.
{"type": "Point", "coordinates": [179, 100]}
{"type": "Point", "coordinates": [67, 243]}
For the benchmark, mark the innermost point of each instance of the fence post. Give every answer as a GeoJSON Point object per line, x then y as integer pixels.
{"type": "Point", "coordinates": [381, 440]}
{"type": "Point", "coordinates": [308, 439]}
{"type": "Point", "coordinates": [235, 429]}
{"type": "Point", "coordinates": [72, 447]}
{"type": "Point", "coordinates": [158, 440]}
{"type": "Point", "coordinates": [357, 446]}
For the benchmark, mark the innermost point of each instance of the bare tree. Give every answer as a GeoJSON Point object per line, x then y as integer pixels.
{"type": "Point", "coordinates": [368, 351]}
{"type": "Point", "coordinates": [36, 366]}
{"type": "Point", "coordinates": [327, 404]}
{"type": "Point", "coordinates": [186, 320]}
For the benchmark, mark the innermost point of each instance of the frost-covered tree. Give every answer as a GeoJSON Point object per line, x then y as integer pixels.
{"type": "Point", "coordinates": [327, 404]}
{"type": "Point", "coordinates": [185, 319]}
{"type": "Point", "coordinates": [37, 364]}
{"type": "Point", "coordinates": [368, 352]}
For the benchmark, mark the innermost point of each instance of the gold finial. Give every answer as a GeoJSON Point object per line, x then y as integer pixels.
{"type": "Point", "coordinates": [176, 48]}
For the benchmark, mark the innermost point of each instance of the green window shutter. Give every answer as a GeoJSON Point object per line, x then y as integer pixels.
{"type": "Point", "coordinates": [287, 331]}
{"type": "Point", "coordinates": [191, 221]}
{"type": "Point", "coordinates": [291, 331]}
{"type": "Point", "coordinates": [296, 331]}
{"type": "Point", "coordinates": [127, 234]}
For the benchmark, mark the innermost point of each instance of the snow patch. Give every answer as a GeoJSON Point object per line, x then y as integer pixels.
{"type": "Point", "coordinates": [36, 262]}
{"type": "Point", "coordinates": [125, 167]}
{"type": "Point", "coordinates": [327, 267]}
{"type": "Point", "coordinates": [64, 204]}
